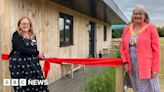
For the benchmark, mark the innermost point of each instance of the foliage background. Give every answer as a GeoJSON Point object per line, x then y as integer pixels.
{"type": "Point", "coordinates": [118, 32]}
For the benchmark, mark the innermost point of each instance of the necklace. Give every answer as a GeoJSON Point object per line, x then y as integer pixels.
{"type": "Point", "coordinates": [138, 31]}
{"type": "Point", "coordinates": [133, 42]}
{"type": "Point", "coordinates": [135, 33]}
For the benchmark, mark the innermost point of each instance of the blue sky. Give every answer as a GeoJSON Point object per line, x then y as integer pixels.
{"type": "Point", "coordinates": [155, 9]}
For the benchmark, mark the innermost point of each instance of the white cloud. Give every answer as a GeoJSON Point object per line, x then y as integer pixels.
{"type": "Point", "coordinates": [155, 8]}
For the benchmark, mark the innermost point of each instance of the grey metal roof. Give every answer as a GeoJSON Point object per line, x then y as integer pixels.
{"type": "Point", "coordinates": [105, 10]}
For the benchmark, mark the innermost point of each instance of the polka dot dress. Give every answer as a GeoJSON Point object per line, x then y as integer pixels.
{"type": "Point", "coordinates": [26, 67]}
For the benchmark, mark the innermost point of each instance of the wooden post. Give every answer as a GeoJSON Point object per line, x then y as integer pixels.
{"type": "Point", "coordinates": [119, 79]}
{"type": "Point", "coordinates": [0, 48]}
{"type": "Point", "coordinates": [1, 45]}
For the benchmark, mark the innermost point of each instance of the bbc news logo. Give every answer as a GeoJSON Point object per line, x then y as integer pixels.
{"type": "Point", "coordinates": [23, 82]}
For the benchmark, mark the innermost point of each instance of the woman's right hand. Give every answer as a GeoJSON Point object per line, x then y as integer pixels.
{"type": "Point", "coordinates": [126, 67]}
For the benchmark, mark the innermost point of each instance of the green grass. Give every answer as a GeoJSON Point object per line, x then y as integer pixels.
{"type": "Point", "coordinates": [162, 41]}
{"type": "Point", "coordinates": [162, 64]}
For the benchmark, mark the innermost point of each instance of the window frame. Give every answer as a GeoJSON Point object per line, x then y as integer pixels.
{"type": "Point", "coordinates": [65, 17]}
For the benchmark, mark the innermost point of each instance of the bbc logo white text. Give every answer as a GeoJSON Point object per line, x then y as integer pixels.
{"type": "Point", "coordinates": [23, 82]}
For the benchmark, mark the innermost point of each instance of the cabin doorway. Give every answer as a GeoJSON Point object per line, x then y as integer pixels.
{"type": "Point", "coordinates": [92, 39]}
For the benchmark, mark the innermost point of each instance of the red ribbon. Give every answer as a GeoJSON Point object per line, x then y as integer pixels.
{"type": "Point", "coordinates": [5, 57]}
{"type": "Point", "coordinates": [82, 61]}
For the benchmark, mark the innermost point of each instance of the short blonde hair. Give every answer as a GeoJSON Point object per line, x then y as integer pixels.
{"type": "Point", "coordinates": [141, 8]}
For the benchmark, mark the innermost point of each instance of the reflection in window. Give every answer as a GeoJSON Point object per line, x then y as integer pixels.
{"type": "Point", "coordinates": [66, 29]}
{"type": "Point", "coordinates": [68, 21]}
{"type": "Point", "coordinates": [61, 24]}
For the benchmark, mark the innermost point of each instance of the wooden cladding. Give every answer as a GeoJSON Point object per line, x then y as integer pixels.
{"type": "Point", "coordinates": [45, 16]}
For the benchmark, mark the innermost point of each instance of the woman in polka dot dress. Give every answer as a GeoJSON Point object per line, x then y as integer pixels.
{"type": "Point", "coordinates": [24, 58]}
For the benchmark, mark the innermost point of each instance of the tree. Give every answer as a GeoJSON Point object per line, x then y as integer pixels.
{"type": "Point", "coordinates": [117, 33]}
{"type": "Point", "coordinates": [161, 31]}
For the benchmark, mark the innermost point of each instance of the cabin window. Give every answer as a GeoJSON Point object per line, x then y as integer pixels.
{"type": "Point", "coordinates": [105, 33]}
{"type": "Point", "coordinates": [66, 29]}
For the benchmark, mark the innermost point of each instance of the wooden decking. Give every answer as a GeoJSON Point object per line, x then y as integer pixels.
{"type": "Point", "coordinates": [68, 84]}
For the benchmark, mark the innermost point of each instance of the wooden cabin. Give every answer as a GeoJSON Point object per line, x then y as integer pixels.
{"type": "Point", "coordinates": [64, 28]}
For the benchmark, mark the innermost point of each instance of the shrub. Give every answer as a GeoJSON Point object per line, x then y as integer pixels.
{"type": "Point", "coordinates": [116, 51]}
{"type": "Point", "coordinates": [104, 82]}
{"type": "Point", "coordinates": [117, 33]}
{"type": "Point", "coordinates": [161, 31]}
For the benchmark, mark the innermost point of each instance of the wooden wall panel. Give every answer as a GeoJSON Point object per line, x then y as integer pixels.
{"type": "Point", "coordinates": [45, 18]}
{"type": "Point", "coordinates": [1, 12]}
{"type": "Point", "coordinates": [5, 37]}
